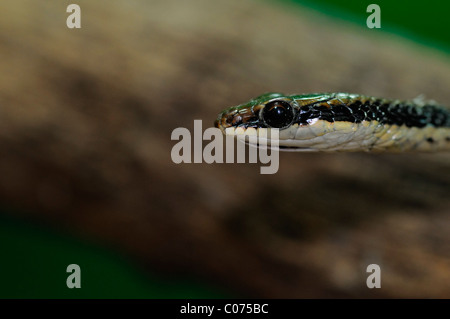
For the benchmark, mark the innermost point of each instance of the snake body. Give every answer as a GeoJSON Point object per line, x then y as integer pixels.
{"type": "Point", "coordinates": [341, 122]}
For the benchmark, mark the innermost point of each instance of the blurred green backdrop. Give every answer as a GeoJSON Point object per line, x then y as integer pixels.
{"type": "Point", "coordinates": [35, 257]}
{"type": "Point", "coordinates": [423, 22]}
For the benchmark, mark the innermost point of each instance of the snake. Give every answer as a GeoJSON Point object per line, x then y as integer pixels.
{"type": "Point", "coordinates": [335, 122]}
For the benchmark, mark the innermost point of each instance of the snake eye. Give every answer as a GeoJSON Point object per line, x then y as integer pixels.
{"type": "Point", "coordinates": [278, 114]}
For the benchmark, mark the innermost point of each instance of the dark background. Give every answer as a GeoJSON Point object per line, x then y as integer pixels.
{"type": "Point", "coordinates": [86, 175]}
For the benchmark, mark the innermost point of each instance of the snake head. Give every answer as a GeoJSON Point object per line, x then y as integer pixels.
{"type": "Point", "coordinates": [270, 110]}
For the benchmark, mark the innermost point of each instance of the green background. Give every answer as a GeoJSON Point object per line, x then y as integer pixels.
{"type": "Point", "coordinates": [34, 258]}
{"type": "Point", "coordinates": [425, 22]}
